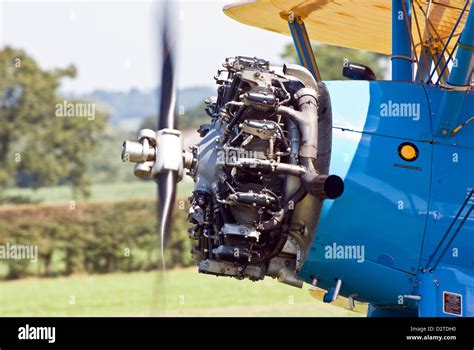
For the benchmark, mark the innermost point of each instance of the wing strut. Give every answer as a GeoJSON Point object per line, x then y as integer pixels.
{"type": "Point", "coordinates": [303, 45]}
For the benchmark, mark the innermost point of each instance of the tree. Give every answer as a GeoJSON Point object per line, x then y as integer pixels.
{"type": "Point", "coordinates": [187, 119]}
{"type": "Point", "coordinates": [44, 139]}
{"type": "Point", "coordinates": [330, 60]}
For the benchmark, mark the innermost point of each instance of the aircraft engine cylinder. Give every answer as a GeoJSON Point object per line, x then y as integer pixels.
{"type": "Point", "coordinates": [257, 175]}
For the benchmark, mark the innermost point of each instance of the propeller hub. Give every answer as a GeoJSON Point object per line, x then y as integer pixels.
{"type": "Point", "coordinates": [169, 152]}
{"type": "Point", "coordinates": [157, 152]}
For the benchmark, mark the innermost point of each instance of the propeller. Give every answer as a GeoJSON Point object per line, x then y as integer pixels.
{"type": "Point", "coordinates": [166, 175]}
{"type": "Point", "coordinates": [159, 154]}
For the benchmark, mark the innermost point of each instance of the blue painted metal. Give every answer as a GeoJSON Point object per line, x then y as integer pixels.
{"type": "Point", "coordinates": [397, 210]}
{"type": "Point", "coordinates": [374, 311]}
{"type": "Point", "coordinates": [431, 286]}
{"type": "Point", "coordinates": [394, 213]}
{"type": "Point", "coordinates": [402, 66]}
{"type": "Point", "coordinates": [385, 203]}
{"type": "Point", "coordinates": [303, 46]}
{"type": "Point", "coordinates": [465, 137]}
{"type": "Point", "coordinates": [461, 72]}
{"type": "Point", "coordinates": [452, 180]}
{"type": "Point", "coordinates": [449, 236]}
{"type": "Point", "coordinates": [386, 108]}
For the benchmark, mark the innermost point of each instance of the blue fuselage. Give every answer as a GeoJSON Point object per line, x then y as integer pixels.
{"type": "Point", "coordinates": [394, 212]}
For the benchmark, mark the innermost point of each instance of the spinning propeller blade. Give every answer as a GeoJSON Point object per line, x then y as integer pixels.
{"type": "Point", "coordinates": [166, 179]}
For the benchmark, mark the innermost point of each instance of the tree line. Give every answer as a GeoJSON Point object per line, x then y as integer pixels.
{"type": "Point", "coordinates": [91, 238]}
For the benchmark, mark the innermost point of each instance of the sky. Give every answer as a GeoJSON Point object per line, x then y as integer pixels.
{"type": "Point", "coordinates": [114, 43]}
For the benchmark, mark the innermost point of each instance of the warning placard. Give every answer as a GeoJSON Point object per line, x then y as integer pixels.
{"type": "Point", "coordinates": [452, 303]}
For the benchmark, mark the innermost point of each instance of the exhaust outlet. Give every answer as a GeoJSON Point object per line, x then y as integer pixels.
{"type": "Point", "coordinates": [321, 186]}
{"type": "Point", "coordinates": [327, 187]}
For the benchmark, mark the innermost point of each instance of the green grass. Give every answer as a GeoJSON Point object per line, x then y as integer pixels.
{"type": "Point", "coordinates": [99, 192]}
{"type": "Point", "coordinates": [141, 294]}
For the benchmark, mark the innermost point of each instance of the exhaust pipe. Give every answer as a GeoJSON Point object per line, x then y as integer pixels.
{"type": "Point", "coordinates": [321, 186]}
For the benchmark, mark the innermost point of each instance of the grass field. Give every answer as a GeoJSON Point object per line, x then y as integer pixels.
{"type": "Point", "coordinates": [140, 294]}
{"type": "Point", "coordinates": [99, 192]}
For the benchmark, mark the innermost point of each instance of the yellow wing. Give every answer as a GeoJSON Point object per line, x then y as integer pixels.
{"type": "Point", "coordinates": [357, 24]}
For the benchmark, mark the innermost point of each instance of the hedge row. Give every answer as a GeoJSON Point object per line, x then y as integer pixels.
{"type": "Point", "coordinates": [90, 238]}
